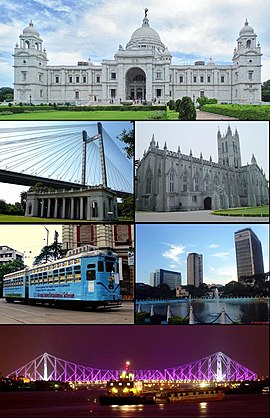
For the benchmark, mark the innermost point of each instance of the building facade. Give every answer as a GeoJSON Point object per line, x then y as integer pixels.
{"type": "Point", "coordinates": [172, 278]}
{"type": "Point", "coordinates": [8, 254]}
{"type": "Point", "coordinates": [194, 269]}
{"type": "Point", "coordinates": [171, 181]}
{"type": "Point", "coordinates": [248, 250]}
{"type": "Point", "coordinates": [143, 70]}
{"type": "Point", "coordinates": [119, 237]}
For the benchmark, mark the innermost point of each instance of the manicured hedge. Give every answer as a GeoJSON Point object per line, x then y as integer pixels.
{"type": "Point", "coordinates": [242, 112]}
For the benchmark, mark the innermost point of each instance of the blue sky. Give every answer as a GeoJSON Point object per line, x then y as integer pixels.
{"type": "Point", "coordinates": [11, 193]}
{"type": "Point", "coordinates": [167, 246]}
{"type": "Point", "coordinates": [76, 30]}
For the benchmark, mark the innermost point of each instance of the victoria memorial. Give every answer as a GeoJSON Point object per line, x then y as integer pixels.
{"type": "Point", "coordinates": [141, 71]}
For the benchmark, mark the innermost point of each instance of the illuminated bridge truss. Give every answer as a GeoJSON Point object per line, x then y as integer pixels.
{"type": "Point", "coordinates": [215, 368]}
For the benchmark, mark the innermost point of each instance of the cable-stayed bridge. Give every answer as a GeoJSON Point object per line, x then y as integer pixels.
{"type": "Point", "coordinates": [215, 368]}
{"type": "Point", "coordinates": [64, 155]}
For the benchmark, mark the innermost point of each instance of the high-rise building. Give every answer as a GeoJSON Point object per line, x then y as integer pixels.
{"type": "Point", "coordinates": [161, 276]}
{"type": "Point", "coordinates": [8, 254]}
{"type": "Point", "coordinates": [194, 269]}
{"type": "Point", "coordinates": [248, 249]}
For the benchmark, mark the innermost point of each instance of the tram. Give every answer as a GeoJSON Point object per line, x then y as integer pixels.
{"type": "Point", "coordinates": [86, 276]}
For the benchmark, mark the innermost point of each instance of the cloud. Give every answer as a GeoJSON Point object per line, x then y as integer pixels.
{"type": "Point", "coordinates": [222, 275]}
{"type": "Point", "coordinates": [220, 255]}
{"type": "Point", "coordinates": [174, 252]}
{"type": "Point", "coordinates": [214, 246]}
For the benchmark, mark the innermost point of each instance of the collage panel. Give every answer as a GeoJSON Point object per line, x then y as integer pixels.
{"type": "Point", "coordinates": [67, 274]}
{"type": "Point", "coordinates": [202, 274]}
{"type": "Point", "coordinates": [166, 371]}
{"type": "Point", "coordinates": [134, 191]}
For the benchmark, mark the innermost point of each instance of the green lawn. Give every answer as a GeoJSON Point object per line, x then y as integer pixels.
{"type": "Point", "coordinates": [86, 115]}
{"type": "Point", "coordinates": [30, 219]}
{"type": "Point", "coordinates": [250, 211]}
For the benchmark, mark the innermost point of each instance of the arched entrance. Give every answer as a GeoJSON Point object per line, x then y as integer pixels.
{"type": "Point", "coordinates": [207, 203]}
{"type": "Point", "coordinates": [135, 84]}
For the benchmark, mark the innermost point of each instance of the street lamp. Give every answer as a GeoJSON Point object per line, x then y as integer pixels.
{"type": "Point", "coordinates": [47, 242]}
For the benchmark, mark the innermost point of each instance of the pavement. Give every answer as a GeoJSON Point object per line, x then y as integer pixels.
{"type": "Point", "coordinates": [212, 116]}
{"type": "Point", "coordinates": [17, 313]}
{"type": "Point", "coordinates": [195, 216]}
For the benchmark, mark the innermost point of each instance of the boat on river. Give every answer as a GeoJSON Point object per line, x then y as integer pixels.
{"type": "Point", "coordinates": [196, 395]}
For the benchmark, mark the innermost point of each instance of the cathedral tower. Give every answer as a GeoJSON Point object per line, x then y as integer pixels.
{"type": "Point", "coordinates": [229, 148]}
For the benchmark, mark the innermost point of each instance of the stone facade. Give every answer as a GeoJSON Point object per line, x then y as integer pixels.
{"type": "Point", "coordinates": [141, 71]}
{"type": "Point", "coordinates": [93, 203]}
{"type": "Point", "coordinates": [171, 181]}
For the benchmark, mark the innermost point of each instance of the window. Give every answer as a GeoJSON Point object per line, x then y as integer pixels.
{"type": "Point", "coordinates": [113, 76]}
{"type": "Point", "coordinates": [171, 181]}
{"type": "Point", "coordinates": [77, 94]}
{"type": "Point", "coordinates": [202, 93]}
{"type": "Point", "coordinates": [158, 92]}
{"type": "Point", "coordinates": [194, 79]}
{"type": "Point", "coordinates": [77, 79]}
{"type": "Point", "coordinates": [148, 186]}
{"type": "Point", "coordinates": [194, 198]}
{"type": "Point", "coordinates": [158, 76]}
{"type": "Point", "coordinates": [122, 234]}
{"type": "Point", "coordinates": [222, 79]}
{"type": "Point", "coordinates": [249, 43]}
{"type": "Point", "coordinates": [100, 266]}
{"type": "Point", "coordinates": [70, 79]}
{"type": "Point", "coordinates": [91, 275]}
{"type": "Point", "coordinates": [57, 79]}
{"type": "Point", "coordinates": [40, 93]}
{"type": "Point", "coordinates": [250, 75]}
{"type": "Point", "coordinates": [226, 146]}
{"type": "Point", "coordinates": [84, 79]}
{"type": "Point", "coordinates": [40, 77]}
{"type": "Point", "coordinates": [113, 93]}
{"type": "Point", "coordinates": [98, 78]}
{"type": "Point", "coordinates": [208, 79]}
{"type": "Point", "coordinates": [94, 210]}
{"type": "Point", "coordinates": [24, 75]}
{"type": "Point", "coordinates": [201, 79]}
{"type": "Point", "coordinates": [109, 266]}
{"type": "Point", "coordinates": [181, 79]}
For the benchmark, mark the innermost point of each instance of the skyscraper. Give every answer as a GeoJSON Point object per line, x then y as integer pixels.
{"type": "Point", "coordinates": [161, 276]}
{"type": "Point", "coordinates": [194, 269]}
{"type": "Point", "coordinates": [248, 250]}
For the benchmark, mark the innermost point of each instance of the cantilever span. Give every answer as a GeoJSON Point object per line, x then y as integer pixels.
{"type": "Point", "coordinates": [217, 367]}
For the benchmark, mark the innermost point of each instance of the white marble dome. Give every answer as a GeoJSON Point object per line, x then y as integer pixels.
{"type": "Point", "coordinates": [30, 30]}
{"type": "Point", "coordinates": [246, 30]}
{"type": "Point", "coordinates": [145, 35]}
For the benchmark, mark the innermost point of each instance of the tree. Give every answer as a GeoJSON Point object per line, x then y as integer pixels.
{"type": "Point", "coordinates": [6, 93]}
{"type": "Point", "coordinates": [187, 109]}
{"type": "Point", "coordinates": [126, 207]}
{"type": "Point", "coordinates": [3, 206]}
{"type": "Point", "coordinates": [128, 138]}
{"type": "Point", "coordinates": [49, 253]}
{"type": "Point", "coordinates": [23, 197]}
{"type": "Point", "coordinates": [266, 91]}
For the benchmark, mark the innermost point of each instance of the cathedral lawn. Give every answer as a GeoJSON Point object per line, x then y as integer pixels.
{"type": "Point", "coordinates": [85, 115]}
{"type": "Point", "coordinates": [249, 211]}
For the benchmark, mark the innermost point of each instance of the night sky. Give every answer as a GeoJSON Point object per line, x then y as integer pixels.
{"type": "Point", "coordinates": [146, 347]}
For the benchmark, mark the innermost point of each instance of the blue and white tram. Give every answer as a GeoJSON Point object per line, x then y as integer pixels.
{"type": "Point", "coordinates": [15, 286]}
{"type": "Point", "coordinates": [86, 277]}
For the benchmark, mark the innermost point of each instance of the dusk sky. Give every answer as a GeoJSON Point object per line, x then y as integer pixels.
{"type": "Point", "coordinates": [145, 347]}
{"type": "Point", "coordinates": [68, 146]}
{"type": "Point", "coordinates": [193, 30]}
{"type": "Point", "coordinates": [166, 246]}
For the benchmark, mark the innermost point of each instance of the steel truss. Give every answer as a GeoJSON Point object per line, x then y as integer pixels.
{"type": "Point", "coordinates": [215, 368]}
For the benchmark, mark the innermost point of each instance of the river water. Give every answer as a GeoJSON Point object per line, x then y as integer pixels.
{"type": "Point", "coordinates": [241, 310]}
{"type": "Point", "coordinates": [78, 404]}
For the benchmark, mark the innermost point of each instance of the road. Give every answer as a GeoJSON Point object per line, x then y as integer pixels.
{"type": "Point", "coordinates": [195, 216]}
{"type": "Point", "coordinates": [212, 116]}
{"type": "Point", "coordinates": [17, 313]}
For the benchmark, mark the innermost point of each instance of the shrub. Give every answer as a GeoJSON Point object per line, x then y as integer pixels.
{"type": "Point", "coordinates": [187, 109]}
{"type": "Point", "coordinates": [140, 318]}
{"type": "Point", "coordinates": [205, 100]}
{"type": "Point", "coordinates": [243, 112]}
{"type": "Point", "coordinates": [177, 320]}
{"type": "Point", "coordinates": [171, 104]}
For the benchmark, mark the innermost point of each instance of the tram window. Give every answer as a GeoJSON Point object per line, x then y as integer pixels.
{"type": "Point", "coordinates": [91, 275]}
{"type": "Point", "coordinates": [62, 271]}
{"type": "Point", "coordinates": [109, 267]}
{"type": "Point", "coordinates": [91, 266]}
{"type": "Point", "coordinates": [69, 270]}
{"type": "Point", "coordinates": [100, 266]}
{"type": "Point", "coordinates": [77, 269]}
{"type": "Point", "coordinates": [55, 271]}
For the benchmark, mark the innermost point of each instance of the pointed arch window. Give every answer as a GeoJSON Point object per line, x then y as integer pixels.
{"type": "Point", "coordinates": [185, 181]}
{"type": "Point", "coordinates": [207, 183]}
{"type": "Point", "coordinates": [196, 181]}
{"type": "Point", "coordinates": [171, 181]}
{"type": "Point", "coordinates": [148, 186]}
